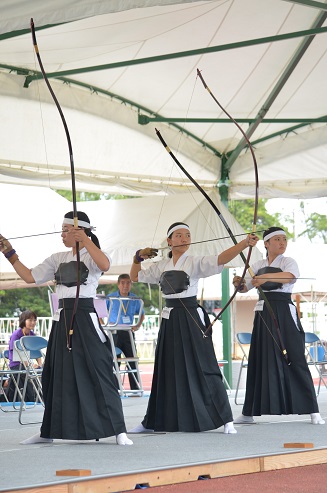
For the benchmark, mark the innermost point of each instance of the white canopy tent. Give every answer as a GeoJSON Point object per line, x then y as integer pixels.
{"type": "Point", "coordinates": [120, 69]}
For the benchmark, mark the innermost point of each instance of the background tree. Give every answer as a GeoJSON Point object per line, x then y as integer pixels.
{"type": "Point", "coordinates": [242, 210]}
{"type": "Point", "coordinates": [15, 301]}
{"type": "Point", "coordinates": [315, 225]}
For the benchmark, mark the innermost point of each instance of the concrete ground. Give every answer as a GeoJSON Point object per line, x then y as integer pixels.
{"type": "Point", "coordinates": [35, 465]}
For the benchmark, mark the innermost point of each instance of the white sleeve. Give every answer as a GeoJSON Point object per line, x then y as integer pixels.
{"type": "Point", "coordinates": [205, 266]}
{"type": "Point", "coordinates": [152, 274]}
{"type": "Point", "coordinates": [290, 265]}
{"type": "Point", "coordinates": [45, 271]}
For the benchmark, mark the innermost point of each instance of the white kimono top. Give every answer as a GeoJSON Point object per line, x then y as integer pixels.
{"type": "Point", "coordinates": [46, 272]}
{"type": "Point", "coordinates": [286, 264]}
{"type": "Point", "coordinates": [196, 267]}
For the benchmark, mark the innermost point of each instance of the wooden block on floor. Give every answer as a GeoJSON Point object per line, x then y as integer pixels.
{"type": "Point", "coordinates": [74, 472]}
{"type": "Point", "coordinates": [298, 445]}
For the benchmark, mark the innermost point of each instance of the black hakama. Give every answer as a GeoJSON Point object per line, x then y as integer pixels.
{"type": "Point", "coordinates": [79, 386]}
{"type": "Point", "coordinates": [272, 386]}
{"type": "Point", "coordinates": [187, 392]}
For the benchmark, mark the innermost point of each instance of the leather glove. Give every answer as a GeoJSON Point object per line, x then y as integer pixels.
{"type": "Point", "coordinates": [236, 282]}
{"type": "Point", "coordinates": [5, 245]}
{"type": "Point", "coordinates": [144, 254]}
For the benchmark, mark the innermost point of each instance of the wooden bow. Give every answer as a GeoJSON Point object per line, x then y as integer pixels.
{"type": "Point", "coordinates": [72, 172]}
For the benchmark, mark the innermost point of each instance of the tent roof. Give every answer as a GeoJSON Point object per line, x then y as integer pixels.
{"type": "Point", "coordinates": [115, 66]}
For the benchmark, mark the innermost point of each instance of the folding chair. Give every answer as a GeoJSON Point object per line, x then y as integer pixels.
{"type": "Point", "coordinates": [30, 348]}
{"type": "Point", "coordinates": [53, 302]}
{"type": "Point", "coordinates": [4, 377]}
{"type": "Point", "coordinates": [112, 328]}
{"type": "Point", "coordinates": [9, 375]}
{"type": "Point", "coordinates": [316, 356]}
{"type": "Point", "coordinates": [243, 339]}
{"type": "Point", "coordinates": [222, 363]}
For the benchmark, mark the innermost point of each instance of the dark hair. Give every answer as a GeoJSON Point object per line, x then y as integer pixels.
{"type": "Point", "coordinates": [172, 226]}
{"type": "Point", "coordinates": [25, 316]}
{"type": "Point", "coordinates": [84, 217]}
{"type": "Point", "coordinates": [271, 230]}
{"type": "Point", "coordinates": [123, 276]}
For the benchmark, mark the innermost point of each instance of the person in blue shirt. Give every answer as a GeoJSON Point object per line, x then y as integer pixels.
{"type": "Point", "coordinates": [129, 309]}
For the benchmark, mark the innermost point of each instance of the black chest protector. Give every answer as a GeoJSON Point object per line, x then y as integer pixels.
{"type": "Point", "coordinates": [67, 274]}
{"type": "Point", "coordinates": [174, 281]}
{"type": "Point", "coordinates": [270, 285]}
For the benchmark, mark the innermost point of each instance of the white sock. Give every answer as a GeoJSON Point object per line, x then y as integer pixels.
{"type": "Point", "coordinates": [140, 429]}
{"type": "Point", "coordinates": [122, 439]}
{"type": "Point", "coordinates": [244, 420]}
{"type": "Point", "coordinates": [316, 419]}
{"type": "Point", "coordinates": [36, 439]}
{"type": "Point", "coordinates": [229, 428]}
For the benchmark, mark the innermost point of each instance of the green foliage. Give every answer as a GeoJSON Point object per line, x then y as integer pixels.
{"type": "Point", "coordinates": [316, 227]}
{"type": "Point", "coordinates": [89, 196]}
{"type": "Point", "coordinates": [14, 301]}
{"type": "Point", "coordinates": [242, 210]}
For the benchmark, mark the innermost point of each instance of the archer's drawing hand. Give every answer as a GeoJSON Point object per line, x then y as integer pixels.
{"type": "Point", "coordinates": [148, 252]}
{"type": "Point", "coordinates": [252, 239]}
{"type": "Point", "coordinates": [236, 283]}
{"type": "Point", "coordinates": [257, 281]}
{"type": "Point", "coordinates": [144, 254]}
{"type": "Point", "coordinates": [5, 245]}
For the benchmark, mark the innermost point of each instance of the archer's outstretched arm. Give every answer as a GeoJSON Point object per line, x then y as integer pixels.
{"type": "Point", "coordinates": [139, 256]}
{"type": "Point", "coordinates": [11, 255]}
{"type": "Point", "coordinates": [230, 253]}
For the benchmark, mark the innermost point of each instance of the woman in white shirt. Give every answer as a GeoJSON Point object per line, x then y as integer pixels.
{"type": "Point", "coordinates": [277, 386]}
{"type": "Point", "coordinates": [79, 386]}
{"type": "Point", "coordinates": [187, 392]}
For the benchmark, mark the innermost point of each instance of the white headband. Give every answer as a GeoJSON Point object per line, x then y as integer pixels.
{"type": "Point", "coordinates": [82, 224]}
{"type": "Point", "coordinates": [178, 226]}
{"type": "Point", "coordinates": [274, 233]}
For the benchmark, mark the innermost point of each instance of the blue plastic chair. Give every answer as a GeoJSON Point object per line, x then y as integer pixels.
{"type": "Point", "coordinates": [32, 347]}
{"type": "Point", "coordinates": [316, 356]}
{"type": "Point", "coordinates": [243, 339]}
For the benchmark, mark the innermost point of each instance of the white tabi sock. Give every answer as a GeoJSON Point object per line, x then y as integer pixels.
{"type": "Point", "coordinates": [229, 428]}
{"type": "Point", "coordinates": [122, 439]}
{"type": "Point", "coordinates": [316, 419]}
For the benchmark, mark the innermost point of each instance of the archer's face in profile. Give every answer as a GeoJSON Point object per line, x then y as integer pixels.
{"type": "Point", "coordinates": [180, 240]}
{"type": "Point", "coordinates": [67, 236]}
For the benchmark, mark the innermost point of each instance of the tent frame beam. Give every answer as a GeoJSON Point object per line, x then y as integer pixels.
{"type": "Point", "coordinates": [145, 120]}
{"type": "Point", "coordinates": [34, 75]}
{"type": "Point", "coordinates": [302, 48]}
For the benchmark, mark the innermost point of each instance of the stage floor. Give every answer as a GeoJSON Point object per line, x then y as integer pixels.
{"type": "Point", "coordinates": [155, 459]}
